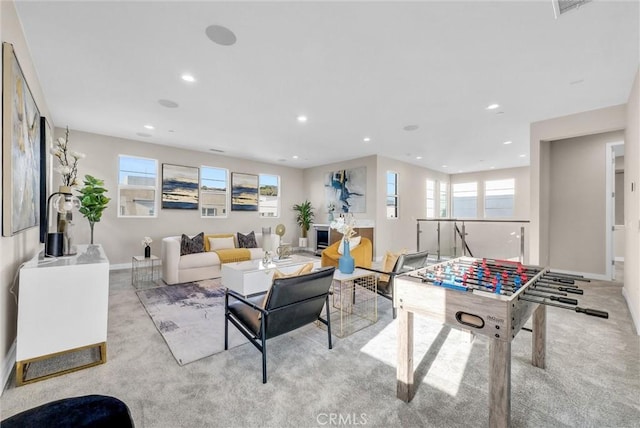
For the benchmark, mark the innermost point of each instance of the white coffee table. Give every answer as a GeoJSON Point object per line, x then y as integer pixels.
{"type": "Point", "coordinates": [252, 277]}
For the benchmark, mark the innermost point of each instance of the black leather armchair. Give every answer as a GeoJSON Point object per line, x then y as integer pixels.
{"type": "Point", "coordinates": [290, 304]}
{"type": "Point", "coordinates": [405, 263]}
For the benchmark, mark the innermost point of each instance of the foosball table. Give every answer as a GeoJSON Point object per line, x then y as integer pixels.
{"type": "Point", "coordinates": [493, 298]}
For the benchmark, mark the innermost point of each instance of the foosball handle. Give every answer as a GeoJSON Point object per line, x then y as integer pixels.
{"type": "Point", "coordinates": [565, 300]}
{"type": "Point", "coordinates": [571, 290]}
{"type": "Point", "coordinates": [593, 312]}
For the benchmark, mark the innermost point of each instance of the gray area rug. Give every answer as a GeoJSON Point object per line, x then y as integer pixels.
{"type": "Point", "coordinates": [190, 318]}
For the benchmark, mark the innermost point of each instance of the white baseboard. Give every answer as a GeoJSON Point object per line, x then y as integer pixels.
{"type": "Point", "coordinates": [635, 317]}
{"type": "Point", "coordinates": [7, 365]}
{"type": "Point", "coordinates": [588, 275]}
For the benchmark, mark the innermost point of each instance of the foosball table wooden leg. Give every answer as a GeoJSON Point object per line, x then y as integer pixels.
{"type": "Point", "coordinates": [499, 383]}
{"type": "Point", "coordinates": [539, 337]}
{"type": "Point", "coordinates": [404, 389]}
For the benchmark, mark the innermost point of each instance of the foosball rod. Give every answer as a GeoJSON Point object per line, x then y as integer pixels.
{"type": "Point", "coordinates": [489, 287]}
{"type": "Point", "coordinates": [565, 289]}
{"type": "Point", "coordinates": [549, 273]}
{"type": "Point", "coordinates": [545, 276]}
{"type": "Point", "coordinates": [587, 311]}
{"type": "Point", "coordinates": [566, 300]}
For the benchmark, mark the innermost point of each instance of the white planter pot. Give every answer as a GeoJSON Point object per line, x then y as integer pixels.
{"type": "Point", "coordinates": [302, 242]}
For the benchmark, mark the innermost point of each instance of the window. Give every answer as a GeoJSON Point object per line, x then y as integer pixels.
{"type": "Point", "coordinates": [268, 195]}
{"type": "Point", "coordinates": [431, 198]}
{"type": "Point", "coordinates": [214, 189]}
{"type": "Point", "coordinates": [137, 187]}
{"type": "Point", "coordinates": [499, 198]}
{"type": "Point", "coordinates": [444, 200]}
{"type": "Point", "coordinates": [392, 194]}
{"type": "Point", "coordinates": [465, 200]}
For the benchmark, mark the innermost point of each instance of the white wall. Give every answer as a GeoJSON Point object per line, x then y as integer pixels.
{"type": "Point", "coordinates": [21, 247]}
{"type": "Point", "coordinates": [121, 237]}
{"type": "Point", "coordinates": [575, 125]}
{"type": "Point", "coordinates": [401, 233]}
{"type": "Point", "coordinates": [577, 203]}
{"type": "Point", "coordinates": [631, 288]}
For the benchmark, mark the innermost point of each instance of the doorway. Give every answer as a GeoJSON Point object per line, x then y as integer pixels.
{"type": "Point", "coordinates": [615, 206]}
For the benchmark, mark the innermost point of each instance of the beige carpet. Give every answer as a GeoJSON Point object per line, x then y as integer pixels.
{"type": "Point", "coordinates": [190, 318]}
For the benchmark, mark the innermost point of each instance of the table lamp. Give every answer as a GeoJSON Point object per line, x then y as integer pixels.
{"type": "Point", "coordinates": [64, 203]}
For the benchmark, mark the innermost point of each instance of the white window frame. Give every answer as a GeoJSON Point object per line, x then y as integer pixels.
{"type": "Point", "coordinates": [453, 198]}
{"type": "Point", "coordinates": [262, 202]}
{"type": "Point", "coordinates": [227, 192]}
{"type": "Point", "coordinates": [155, 189]}
{"type": "Point", "coordinates": [443, 187]}
{"type": "Point", "coordinates": [392, 195]}
{"type": "Point", "coordinates": [507, 188]}
{"type": "Point", "coordinates": [430, 196]}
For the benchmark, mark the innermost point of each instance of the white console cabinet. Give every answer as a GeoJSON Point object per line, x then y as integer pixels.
{"type": "Point", "coordinates": [62, 307]}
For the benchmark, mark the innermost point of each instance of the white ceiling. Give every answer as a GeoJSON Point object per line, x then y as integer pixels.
{"type": "Point", "coordinates": [357, 69]}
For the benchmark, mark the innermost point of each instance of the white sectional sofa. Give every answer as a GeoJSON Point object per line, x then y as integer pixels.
{"type": "Point", "coordinates": [177, 269]}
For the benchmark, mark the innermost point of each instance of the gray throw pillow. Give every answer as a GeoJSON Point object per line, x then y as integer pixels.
{"type": "Point", "coordinates": [192, 245]}
{"type": "Point", "coordinates": [247, 241]}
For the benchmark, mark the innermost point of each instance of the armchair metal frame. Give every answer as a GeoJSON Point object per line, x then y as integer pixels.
{"type": "Point", "coordinates": [289, 307]}
{"type": "Point", "coordinates": [405, 263]}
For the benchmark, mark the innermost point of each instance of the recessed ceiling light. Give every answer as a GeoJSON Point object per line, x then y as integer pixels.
{"type": "Point", "coordinates": [366, 139]}
{"type": "Point", "coordinates": [418, 157]}
{"type": "Point", "coordinates": [149, 127]}
{"type": "Point", "coordinates": [188, 78]}
{"type": "Point", "coordinates": [220, 35]}
{"type": "Point", "coordinates": [523, 155]}
{"type": "Point", "coordinates": [302, 118]}
{"type": "Point", "coordinates": [411, 127]}
{"type": "Point", "coordinates": [444, 166]}
{"type": "Point", "coordinates": [168, 103]}
{"type": "Point", "coordinates": [492, 167]}
{"type": "Point", "coordinates": [493, 106]}
{"type": "Point", "coordinates": [295, 156]}
{"type": "Point", "coordinates": [507, 143]}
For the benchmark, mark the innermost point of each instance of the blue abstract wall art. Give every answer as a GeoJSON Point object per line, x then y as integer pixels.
{"type": "Point", "coordinates": [346, 189]}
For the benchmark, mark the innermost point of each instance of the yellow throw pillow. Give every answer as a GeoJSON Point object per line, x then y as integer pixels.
{"type": "Point", "coordinates": [307, 268]}
{"type": "Point", "coordinates": [388, 263]}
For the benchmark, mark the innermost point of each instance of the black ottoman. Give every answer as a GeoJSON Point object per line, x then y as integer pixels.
{"type": "Point", "coordinates": [88, 411]}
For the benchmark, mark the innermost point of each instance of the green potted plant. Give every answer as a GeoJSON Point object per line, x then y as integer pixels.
{"type": "Point", "coordinates": [304, 217]}
{"type": "Point", "coordinates": [92, 200]}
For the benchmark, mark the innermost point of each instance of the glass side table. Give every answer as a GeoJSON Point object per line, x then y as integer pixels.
{"type": "Point", "coordinates": [144, 270]}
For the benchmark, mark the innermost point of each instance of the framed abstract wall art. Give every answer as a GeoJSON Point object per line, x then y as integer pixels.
{"type": "Point", "coordinates": [346, 189]}
{"type": "Point", "coordinates": [20, 149]}
{"type": "Point", "coordinates": [244, 192]}
{"type": "Point", "coordinates": [180, 185]}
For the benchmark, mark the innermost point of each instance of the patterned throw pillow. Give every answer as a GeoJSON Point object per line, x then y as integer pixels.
{"type": "Point", "coordinates": [192, 245]}
{"type": "Point", "coordinates": [247, 241]}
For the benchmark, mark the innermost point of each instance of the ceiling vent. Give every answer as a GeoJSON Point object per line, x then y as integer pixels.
{"type": "Point", "coordinates": [564, 6]}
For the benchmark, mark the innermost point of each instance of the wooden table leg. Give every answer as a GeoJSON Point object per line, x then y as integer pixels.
{"type": "Point", "coordinates": [499, 383]}
{"type": "Point", "coordinates": [539, 337]}
{"type": "Point", "coordinates": [405, 355]}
